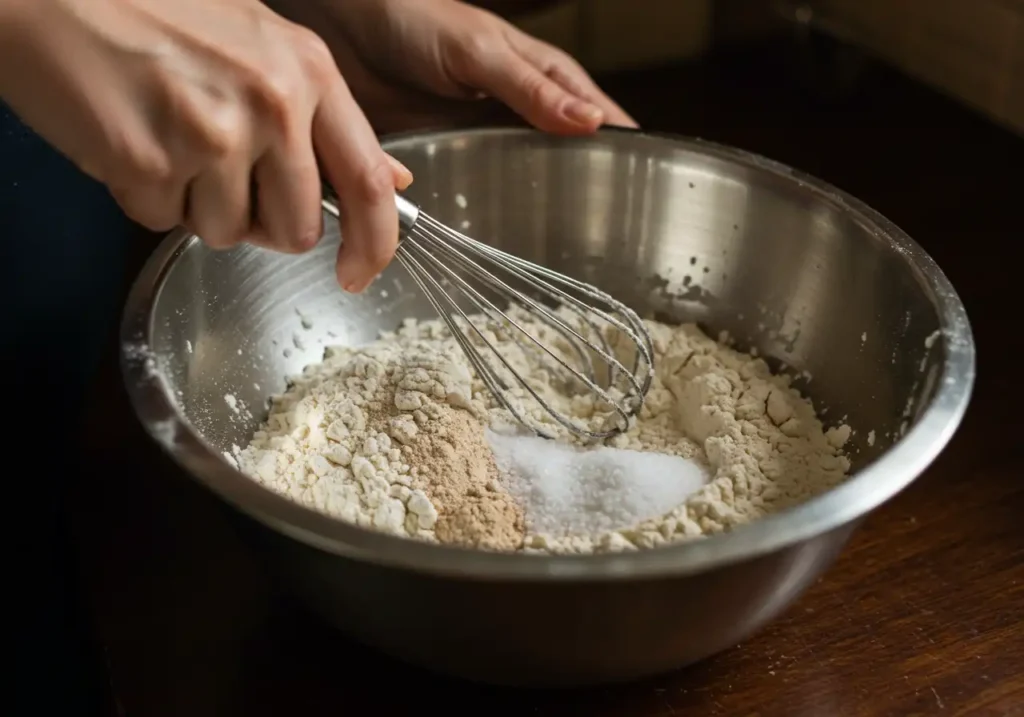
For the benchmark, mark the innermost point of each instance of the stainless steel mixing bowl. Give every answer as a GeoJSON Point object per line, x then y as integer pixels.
{"type": "Point", "coordinates": [687, 230]}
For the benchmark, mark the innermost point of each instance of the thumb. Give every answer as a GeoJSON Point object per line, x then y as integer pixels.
{"type": "Point", "coordinates": [401, 174]}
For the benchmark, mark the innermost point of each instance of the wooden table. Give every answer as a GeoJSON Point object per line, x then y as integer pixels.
{"type": "Point", "coordinates": [923, 613]}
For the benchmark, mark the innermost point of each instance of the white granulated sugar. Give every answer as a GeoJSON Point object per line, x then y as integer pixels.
{"type": "Point", "coordinates": [355, 436]}
{"type": "Point", "coordinates": [460, 199]}
{"type": "Point", "coordinates": [568, 490]}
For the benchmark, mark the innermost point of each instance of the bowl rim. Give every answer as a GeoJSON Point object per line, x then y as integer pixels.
{"type": "Point", "coordinates": [861, 493]}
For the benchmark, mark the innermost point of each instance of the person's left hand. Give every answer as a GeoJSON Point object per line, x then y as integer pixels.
{"type": "Point", "coordinates": [414, 63]}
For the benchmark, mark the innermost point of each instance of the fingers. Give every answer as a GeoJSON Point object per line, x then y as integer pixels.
{"type": "Point", "coordinates": [576, 81]}
{"type": "Point", "coordinates": [159, 207]}
{"type": "Point", "coordinates": [513, 79]}
{"type": "Point", "coordinates": [154, 192]}
{"type": "Point", "coordinates": [219, 208]}
{"type": "Point", "coordinates": [568, 74]}
{"type": "Point", "coordinates": [401, 174]}
{"type": "Point", "coordinates": [364, 179]}
{"type": "Point", "coordinates": [288, 197]}
{"type": "Point", "coordinates": [290, 217]}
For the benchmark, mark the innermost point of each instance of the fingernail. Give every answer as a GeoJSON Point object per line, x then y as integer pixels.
{"type": "Point", "coordinates": [404, 175]}
{"type": "Point", "coordinates": [404, 178]}
{"type": "Point", "coordinates": [348, 277]}
{"type": "Point", "coordinates": [583, 112]}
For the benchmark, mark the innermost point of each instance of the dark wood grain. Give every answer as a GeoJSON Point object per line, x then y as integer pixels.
{"type": "Point", "coordinates": [924, 612]}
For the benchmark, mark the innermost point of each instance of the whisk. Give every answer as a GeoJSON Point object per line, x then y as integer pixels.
{"type": "Point", "coordinates": [453, 270]}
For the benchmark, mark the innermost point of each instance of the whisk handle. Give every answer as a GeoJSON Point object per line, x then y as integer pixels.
{"type": "Point", "coordinates": [408, 212]}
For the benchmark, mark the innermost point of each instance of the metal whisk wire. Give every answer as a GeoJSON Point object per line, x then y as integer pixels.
{"type": "Point", "coordinates": [435, 255]}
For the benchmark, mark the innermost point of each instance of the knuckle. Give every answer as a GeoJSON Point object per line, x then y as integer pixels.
{"type": "Point", "coordinates": [380, 256]}
{"type": "Point", "coordinates": [478, 45]}
{"type": "Point", "coordinates": [375, 184]}
{"type": "Point", "coordinates": [314, 54]}
{"type": "Point", "coordinates": [222, 131]}
{"type": "Point", "coordinates": [295, 234]}
{"type": "Point", "coordinates": [205, 121]}
{"type": "Point", "coordinates": [310, 231]}
{"type": "Point", "coordinates": [573, 78]}
{"type": "Point", "coordinates": [474, 50]}
{"type": "Point", "coordinates": [278, 96]}
{"type": "Point", "coordinates": [152, 215]}
{"type": "Point", "coordinates": [539, 90]}
{"type": "Point", "coordinates": [294, 240]}
{"type": "Point", "coordinates": [218, 239]}
{"type": "Point", "coordinates": [300, 245]}
{"type": "Point", "coordinates": [147, 164]}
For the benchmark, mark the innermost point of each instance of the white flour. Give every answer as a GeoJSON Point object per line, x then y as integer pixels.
{"type": "Point", "coordinates": [346, 439]}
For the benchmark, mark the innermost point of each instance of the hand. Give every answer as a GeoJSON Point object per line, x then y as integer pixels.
{"type": "Point", "coordinates": [410, 61]}
{"type": "Point", "coordinates": [207, 114]}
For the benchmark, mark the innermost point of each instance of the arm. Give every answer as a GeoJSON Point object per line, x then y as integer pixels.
{"type": "Point", "coordinates": [181, 108]}
{"type": "Point", "coordinates": [453, 51]}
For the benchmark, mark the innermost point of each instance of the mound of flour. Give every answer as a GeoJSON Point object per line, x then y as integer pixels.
{"type": "Point", "coordinates": [396, 436]}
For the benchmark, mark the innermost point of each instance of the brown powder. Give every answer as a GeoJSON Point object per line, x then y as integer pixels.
{"type": "Point", "coordinates": [456, 469]}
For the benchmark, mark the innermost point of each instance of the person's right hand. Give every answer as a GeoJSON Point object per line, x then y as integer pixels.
{"type": "Point", "coordinates": [206, 113]}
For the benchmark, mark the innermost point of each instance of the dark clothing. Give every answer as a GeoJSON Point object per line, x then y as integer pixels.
{"type": "Point", "coordinates": [62, 239]}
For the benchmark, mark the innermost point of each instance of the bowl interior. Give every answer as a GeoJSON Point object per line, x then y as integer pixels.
{"type": "Point", "coordinates": [680, 231]}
